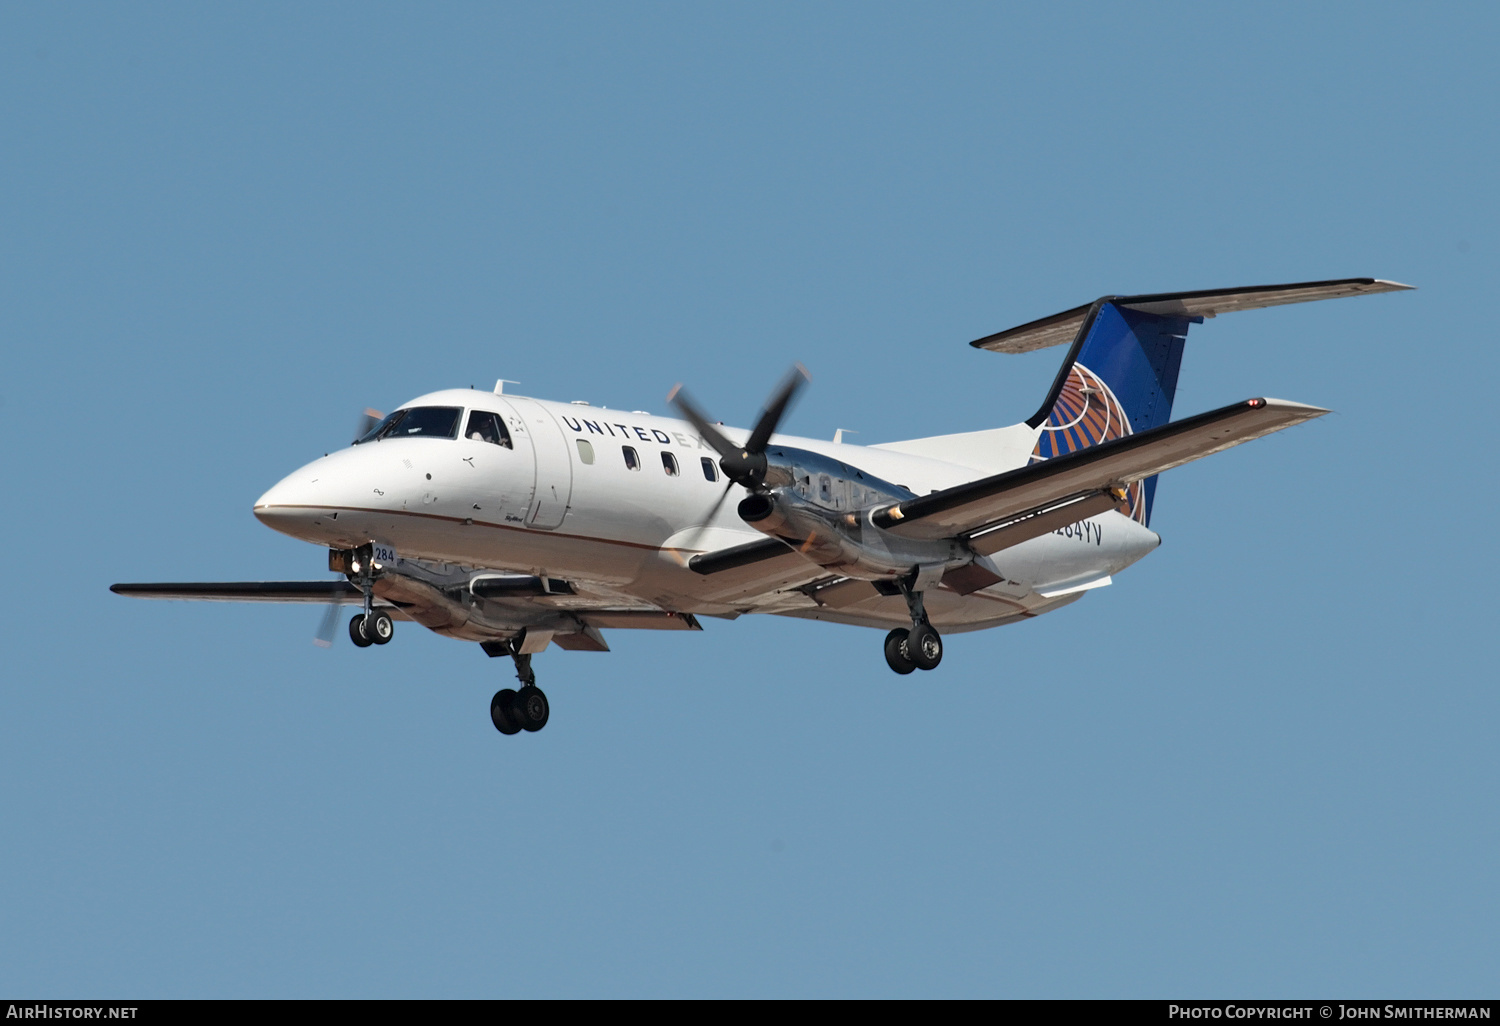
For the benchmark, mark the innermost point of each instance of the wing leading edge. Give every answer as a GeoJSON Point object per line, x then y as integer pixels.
{"type": "Point", "coordinates": [245, 591]}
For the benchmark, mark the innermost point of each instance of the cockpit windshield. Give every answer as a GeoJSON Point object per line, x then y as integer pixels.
{"type": "Point", "coordinates": [425, 421]}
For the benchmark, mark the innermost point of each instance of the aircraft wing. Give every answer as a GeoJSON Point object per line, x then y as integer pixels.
{"type": "Point", "coordinates": [1006, 509]}
{"type": "Point", "coordinates": [549, 610]}
{"type": "Point", "coordinates": [245, 591]}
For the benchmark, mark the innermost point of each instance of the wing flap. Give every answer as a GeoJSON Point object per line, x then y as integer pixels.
{"type": "Point", "coordinates": [634, 619]}
{"type": "Point", "coordinates": [1035, 523]}
{"type": "Point", "coordinates": [1010, 498]}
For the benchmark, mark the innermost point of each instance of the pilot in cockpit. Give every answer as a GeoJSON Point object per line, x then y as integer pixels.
{"type": "Point", "coordinates": [485, 427]}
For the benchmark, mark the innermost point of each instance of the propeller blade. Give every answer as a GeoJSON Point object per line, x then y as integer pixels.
{"type": "Point", "coordinates": [773, 412]}
{"type": "Point", "coordinates": [708, 520]}
{"type": "Point", "coordinates": [367, 422]}
{"type": "Point", "coordinates": [679, 398]}
{"type": "Point", "coordinates": [328, 628]}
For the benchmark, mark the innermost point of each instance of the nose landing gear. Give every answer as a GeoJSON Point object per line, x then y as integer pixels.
{"type": "Point", "coordinates": [371, 627]}
{"type": "Point", "coordinates": [367, 629]}
{"type": "Point", "coordinates": [920, 648]}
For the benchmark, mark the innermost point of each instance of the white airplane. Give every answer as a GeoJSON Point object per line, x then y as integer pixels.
{"type": "Point", "coordinates": [518, 523]}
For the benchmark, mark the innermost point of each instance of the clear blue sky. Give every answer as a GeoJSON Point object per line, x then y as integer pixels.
{"type": "Point", "coordinates": [1263, 762]}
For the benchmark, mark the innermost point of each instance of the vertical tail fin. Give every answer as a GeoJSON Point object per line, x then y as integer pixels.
{"type": "Point", "coordinates": [1121, 372]}
{"type": "Point", "coordinates": [1119, 378]}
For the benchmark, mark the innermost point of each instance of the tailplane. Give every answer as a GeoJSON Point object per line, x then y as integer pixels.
{"type": "Point", "coordinates": [1120, 375]}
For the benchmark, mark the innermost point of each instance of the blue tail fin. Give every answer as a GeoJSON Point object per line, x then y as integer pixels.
{"type": "Point", "coordinates": [1121, 372]}
{"type": "Point", "coordinates": [1119, 378]}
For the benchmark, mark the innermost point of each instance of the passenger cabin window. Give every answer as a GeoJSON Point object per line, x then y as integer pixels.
{"type": "Point", "coordinates": [425, 421]}
{"type": "Point", "coordinates": [632, 458]}
{"type": "Point", "coordinates": [669, 464]}
{"type": "Point", "coordinates": [585, 450]}
{"type": "Point", "coordinates": [710, 471]}
{"type": "Point", "coordinates": [485, 426]}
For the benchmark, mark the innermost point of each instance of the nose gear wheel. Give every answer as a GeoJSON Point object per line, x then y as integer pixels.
{"type": "Point", "coordinates": [378, 627]}
{"type": "Point", "coordinates": [357, 631]}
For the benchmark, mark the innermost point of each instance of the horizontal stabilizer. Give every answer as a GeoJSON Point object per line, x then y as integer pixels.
{"type": "Point", "coordinates": [1019, 498]}
{"type": "Point", "coordinates": [1063, 327]}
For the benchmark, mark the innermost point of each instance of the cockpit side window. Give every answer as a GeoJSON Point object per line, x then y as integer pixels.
{"type": "Point", "coordinates": [424, 421]}
{"type": "Point", "coordinates": [485, 426]}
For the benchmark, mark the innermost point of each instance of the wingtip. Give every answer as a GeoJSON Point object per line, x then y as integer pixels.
{"type": "Point", "coordinates": [1307, 410]}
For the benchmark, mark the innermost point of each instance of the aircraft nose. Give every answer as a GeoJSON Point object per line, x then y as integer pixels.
{"type": "Point", "coordinates": [292, 504]}
{"type": "Point", "coordinates": [278, 508]}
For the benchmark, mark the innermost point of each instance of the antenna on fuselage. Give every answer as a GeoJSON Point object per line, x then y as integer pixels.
{"type": "Point", "coordinates": [838, 436]}
{"type": "Point", "coordinates": [500, 385]}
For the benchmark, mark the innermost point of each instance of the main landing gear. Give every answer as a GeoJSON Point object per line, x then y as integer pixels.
{"type": "Point", "coordinates": [921, 647]}
{"type": "Point", "coordinates": [512, 710]}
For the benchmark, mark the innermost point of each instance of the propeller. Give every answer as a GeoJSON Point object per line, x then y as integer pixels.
{"type": "Point", "coordinates": [329, 625]}
{"type": "Point", "coordinates": [743, 465]}
{"type": "Point", "coordinates": [367, 422]}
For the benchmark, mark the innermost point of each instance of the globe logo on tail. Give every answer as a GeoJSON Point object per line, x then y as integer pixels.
{"type": "Point", "coordinates": [1087, 413]}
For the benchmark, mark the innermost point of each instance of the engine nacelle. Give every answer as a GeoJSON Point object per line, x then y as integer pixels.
{"type": "Point", "coordinates": [846, 543]}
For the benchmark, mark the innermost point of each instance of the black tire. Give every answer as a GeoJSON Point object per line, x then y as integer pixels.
{"type": "Point", "coordinates": [530, 708]}
{"type": "Point", "coordinates": [926, 647]}
{"type": "Point", "coordinates": [896, 654]}
{"type": "Point", "coordinates": [500, 712]}
{"type": "Point", "coordinates": [357, 631]}
{"type": "Point", "coordinates": [380, 628]}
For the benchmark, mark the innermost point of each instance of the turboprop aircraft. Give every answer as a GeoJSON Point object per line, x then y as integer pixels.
{"type": "Point", "coordinates": [519, 523]}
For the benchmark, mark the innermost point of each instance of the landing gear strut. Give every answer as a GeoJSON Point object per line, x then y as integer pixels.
{"type": "Point", "coordinates": [370, 627]}
{"type": "Point", "coordinates": [920, 648]}
{"type": "Point", "coordinates": [512, 711]}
